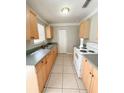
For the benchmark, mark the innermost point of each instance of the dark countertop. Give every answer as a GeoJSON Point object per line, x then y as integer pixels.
{"type": "Point", "coordinates": [35, 57]}
{"type": "Point", "coordinates": [93, 59]}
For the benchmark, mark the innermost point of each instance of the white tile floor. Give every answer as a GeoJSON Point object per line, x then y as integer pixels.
{"type": "Point", "coordinates": [63, 78]}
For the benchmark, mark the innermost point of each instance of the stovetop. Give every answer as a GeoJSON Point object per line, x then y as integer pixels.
{"type": "Point", "coordinates": [86, 51]}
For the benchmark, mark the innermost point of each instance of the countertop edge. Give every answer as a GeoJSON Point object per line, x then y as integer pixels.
{"type": "Point", "coordinates": [35, 63]}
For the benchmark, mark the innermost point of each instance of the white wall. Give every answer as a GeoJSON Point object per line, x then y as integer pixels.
{"type": "Point", "coordinates": [93, 28]}
{"type": "Point", "coordinates": [72, 36]}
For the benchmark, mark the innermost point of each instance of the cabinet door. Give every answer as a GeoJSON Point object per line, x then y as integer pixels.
{"type": "Point", "coordinates": [87, 70]}
{"type": "Point", "coordinates": [33, 26]}
{"type": "Point", "coordinates": [48, 59]}
{"type": "Point", "coordinates": [40, 80]}
{"type": "Point", "coordinates": [84, 29]}
{"type": "Point", "coordinates": [87, 29]}
{"type": "Point", "coordinates": [56, 51]}
{"type": "Point", "coordinates": [44, 71]}
{"type": "Point", "coordinates": [94, 83]}
{"type": "Point", "coordinates": [47, 67]}
{"type": "Point", "coordinates": [40, 77]}
{"type": "Point", "coordinates": [53, 55]}
{"type": "Point", "coordinates": [27, 24]}
{"type": "Point", "coordinates": [49, 32]}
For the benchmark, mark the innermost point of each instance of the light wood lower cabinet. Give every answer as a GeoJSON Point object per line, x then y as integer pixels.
{"type": "Point", "coordinates": [90, 77]}
{"type": "Point", "coordinates": [54, 53]}
{"type": "Point", "coordinates": [87, 73]}
{"type": "Point", "coordinates": [51, 59]}
{"type": "Point", "coordinates": [41, 75]}
{"type": "Point", "coordinates": [48, 59]}
{"type": "Point", "coordinates": [43, 68]}
{"type": "Point", "coordinates": [94, 84]}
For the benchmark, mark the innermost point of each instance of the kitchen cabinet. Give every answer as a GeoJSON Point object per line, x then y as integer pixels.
{"type": "Point", "coordinates": [41, 74]}
{"type": "Point", "coordinates": [84, 29]}
{"type": "Point", "coordinates": [27, 24]}
{"type": "Point", "coordinates": [48, 59]}
{"type": "Point", "coordinates": [44, 67]}
{"type": "Point", "coordinates": [94, 83]}
{"type": "Point", "coordinates": [54, 54]}
{"type": "Point", "coordinates": [47, 66]}
{"type": "Point", "coordinates": [49, 32]}
{"type": "Point", "coordinates": [90, 77]}
{"type": "Point", "coordinates": [87, 70]}
{"type": "Point", "coordinates": [31, 25]}
{"type": "Point", "coordinates": [51, 59]}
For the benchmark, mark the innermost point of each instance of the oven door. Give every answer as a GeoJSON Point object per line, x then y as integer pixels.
{"type": "Point", "coordinates": [76, 60]}
{"type": "Point", "coordinates": [75, 56]}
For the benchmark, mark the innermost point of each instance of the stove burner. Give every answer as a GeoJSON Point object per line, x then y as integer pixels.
{"type": "Point", "coordinates": [91, 51]}
{"type": "Point", "coordinates": [83, 51]}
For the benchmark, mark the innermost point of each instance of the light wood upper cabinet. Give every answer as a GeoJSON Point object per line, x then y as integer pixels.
{"type": "Point", "coordinates": [84, 29]}
{"type": "Point", "coordinates": [49, 32]}
{"type": "Point", "coordinates": [27, 24]}
{"type": "Point", "coordinates": [31, 25]}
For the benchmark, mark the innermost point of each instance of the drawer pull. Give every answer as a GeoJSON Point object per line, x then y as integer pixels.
{"type": "Point", "coordinates": [46, 62]}
{"type": "Point", "coordinates": [90, 73]}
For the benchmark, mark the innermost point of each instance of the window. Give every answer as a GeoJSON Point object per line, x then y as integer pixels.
{"type": "Point", "coordinates": [41, 34]}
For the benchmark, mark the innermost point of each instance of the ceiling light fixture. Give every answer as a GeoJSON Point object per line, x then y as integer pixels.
{"type": "Point", "coordinates": [65, 10]}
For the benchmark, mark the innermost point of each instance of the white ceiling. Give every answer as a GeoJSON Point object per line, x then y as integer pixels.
{"type": "Point", "coordinates": [49, 10]}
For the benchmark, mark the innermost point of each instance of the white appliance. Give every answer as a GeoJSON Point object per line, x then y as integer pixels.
{"type": "Point", "coordinates": [79, 56]}
{"type": "Point", "coordinates": [81, 43]}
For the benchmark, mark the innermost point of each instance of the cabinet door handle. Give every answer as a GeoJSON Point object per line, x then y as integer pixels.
{"type": "Point", "coordinates": [92, 75]}
{"type": "Point", "coordinates": [46, 62]}
{"type": "Point", "coordinates": [32, 37]}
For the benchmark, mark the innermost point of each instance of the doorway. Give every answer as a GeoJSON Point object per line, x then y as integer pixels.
{"type": "Point", "coordinates": [62, 41]}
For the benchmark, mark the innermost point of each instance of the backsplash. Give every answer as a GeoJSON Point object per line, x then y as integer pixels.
{"type": "Point", "coordinates": [30, 45]}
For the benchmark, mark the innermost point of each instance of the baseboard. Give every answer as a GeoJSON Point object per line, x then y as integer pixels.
{"type": "Point", "coordinates": [70, 53]}
{"type": "Point", "coordinates": [66, 53]}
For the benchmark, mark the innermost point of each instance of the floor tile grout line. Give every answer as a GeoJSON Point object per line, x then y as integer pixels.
{"type": "Point", "coordinates": [65, 88]}
{"type": "Point", "coordinates": [73, 74]}
{"type": "Point", "coordinates": [63, 76]}
{"type": "Point", "coordinates": [77, 83]}
{"type": "Point", "coordinates": [75, 78]}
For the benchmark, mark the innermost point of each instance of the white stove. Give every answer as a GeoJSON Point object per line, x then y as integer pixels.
{"type": "Point", "coordinates": [79, 55]}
